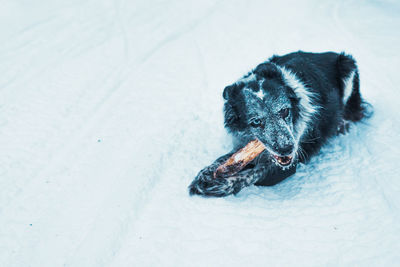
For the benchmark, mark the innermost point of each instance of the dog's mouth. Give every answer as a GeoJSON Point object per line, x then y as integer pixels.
{"type": "Point", "coordinates": [283, 161]}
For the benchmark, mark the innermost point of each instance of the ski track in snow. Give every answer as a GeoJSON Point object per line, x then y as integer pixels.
{"type": "Point", "coordinates": [110, 108]}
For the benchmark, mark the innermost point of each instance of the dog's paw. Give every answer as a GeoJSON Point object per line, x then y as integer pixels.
{"type": "Point", "coordinates": [205, 184]}
{"type": "Point", "coordinates": [216, 188]}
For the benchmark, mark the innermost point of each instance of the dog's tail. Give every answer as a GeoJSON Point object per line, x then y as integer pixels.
{"type": "Point", "coordinates": [355, 108]}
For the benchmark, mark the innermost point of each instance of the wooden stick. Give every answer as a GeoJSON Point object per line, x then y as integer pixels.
{"type": "Point", "coordinates": [240, 159]}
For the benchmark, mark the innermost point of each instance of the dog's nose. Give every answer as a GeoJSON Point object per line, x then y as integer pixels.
{"type": "Point", "coordinates": [286, 150]}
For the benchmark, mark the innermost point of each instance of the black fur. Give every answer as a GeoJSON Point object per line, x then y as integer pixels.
{"type": "Point", "coordinates": [326, 79]}
{"type": "Point", "coordinates": [323, 74]}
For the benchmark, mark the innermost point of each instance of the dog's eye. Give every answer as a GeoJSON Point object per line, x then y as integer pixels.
{"type": "Point", "coordinates": [284, 113]}
{"type": "Point", "coordinates": [255, 122]}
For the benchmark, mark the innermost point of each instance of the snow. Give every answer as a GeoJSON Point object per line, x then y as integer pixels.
{"type": "Point", "coordinates": [110, 108]}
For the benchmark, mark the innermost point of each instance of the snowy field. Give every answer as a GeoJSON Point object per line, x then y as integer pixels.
{"type": "Point", "coordinates": [108, 109]}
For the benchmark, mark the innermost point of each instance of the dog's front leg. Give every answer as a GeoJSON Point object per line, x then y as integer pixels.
{"type": "Point", "coordinates": [205, 184]}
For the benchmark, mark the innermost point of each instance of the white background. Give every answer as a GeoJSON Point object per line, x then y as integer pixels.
{"type": "Point", "coordinates": [108, 109]}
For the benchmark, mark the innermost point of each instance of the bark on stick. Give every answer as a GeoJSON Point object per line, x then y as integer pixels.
{"type": "Point", "coordinates": [240, 159]}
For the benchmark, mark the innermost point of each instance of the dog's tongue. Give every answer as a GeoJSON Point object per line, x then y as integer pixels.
{"type": "Point", "coordinates": [283, 160]}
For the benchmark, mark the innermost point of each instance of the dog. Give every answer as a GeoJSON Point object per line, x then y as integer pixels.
{"type": "Point", "coordinates": [293, 104]}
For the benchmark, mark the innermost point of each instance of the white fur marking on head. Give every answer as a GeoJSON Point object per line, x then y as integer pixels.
{"type": "Point", "coordinates": [307, 108]}
{"type": "Point", "coordinates": [260, 94]}
{"type": "Point", "coordinates": [348, 86]}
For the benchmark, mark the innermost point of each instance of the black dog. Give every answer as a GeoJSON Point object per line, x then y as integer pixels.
{"type": "Point", "coordinates": [291, 103]}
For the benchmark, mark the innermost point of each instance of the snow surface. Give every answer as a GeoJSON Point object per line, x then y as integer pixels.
{"type": "Point", "coordinates": [108, 109]}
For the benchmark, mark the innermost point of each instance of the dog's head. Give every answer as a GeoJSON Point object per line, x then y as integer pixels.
{"type": "Point", "coordinates": [264, 105]}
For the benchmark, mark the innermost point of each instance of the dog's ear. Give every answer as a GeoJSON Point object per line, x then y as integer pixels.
{"type": "Point", "coordinates": [266, 70]}
{"type": "Point", "coordinates": [231, 115]}
{"type": "Point", "coordinates": [228, 91]}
